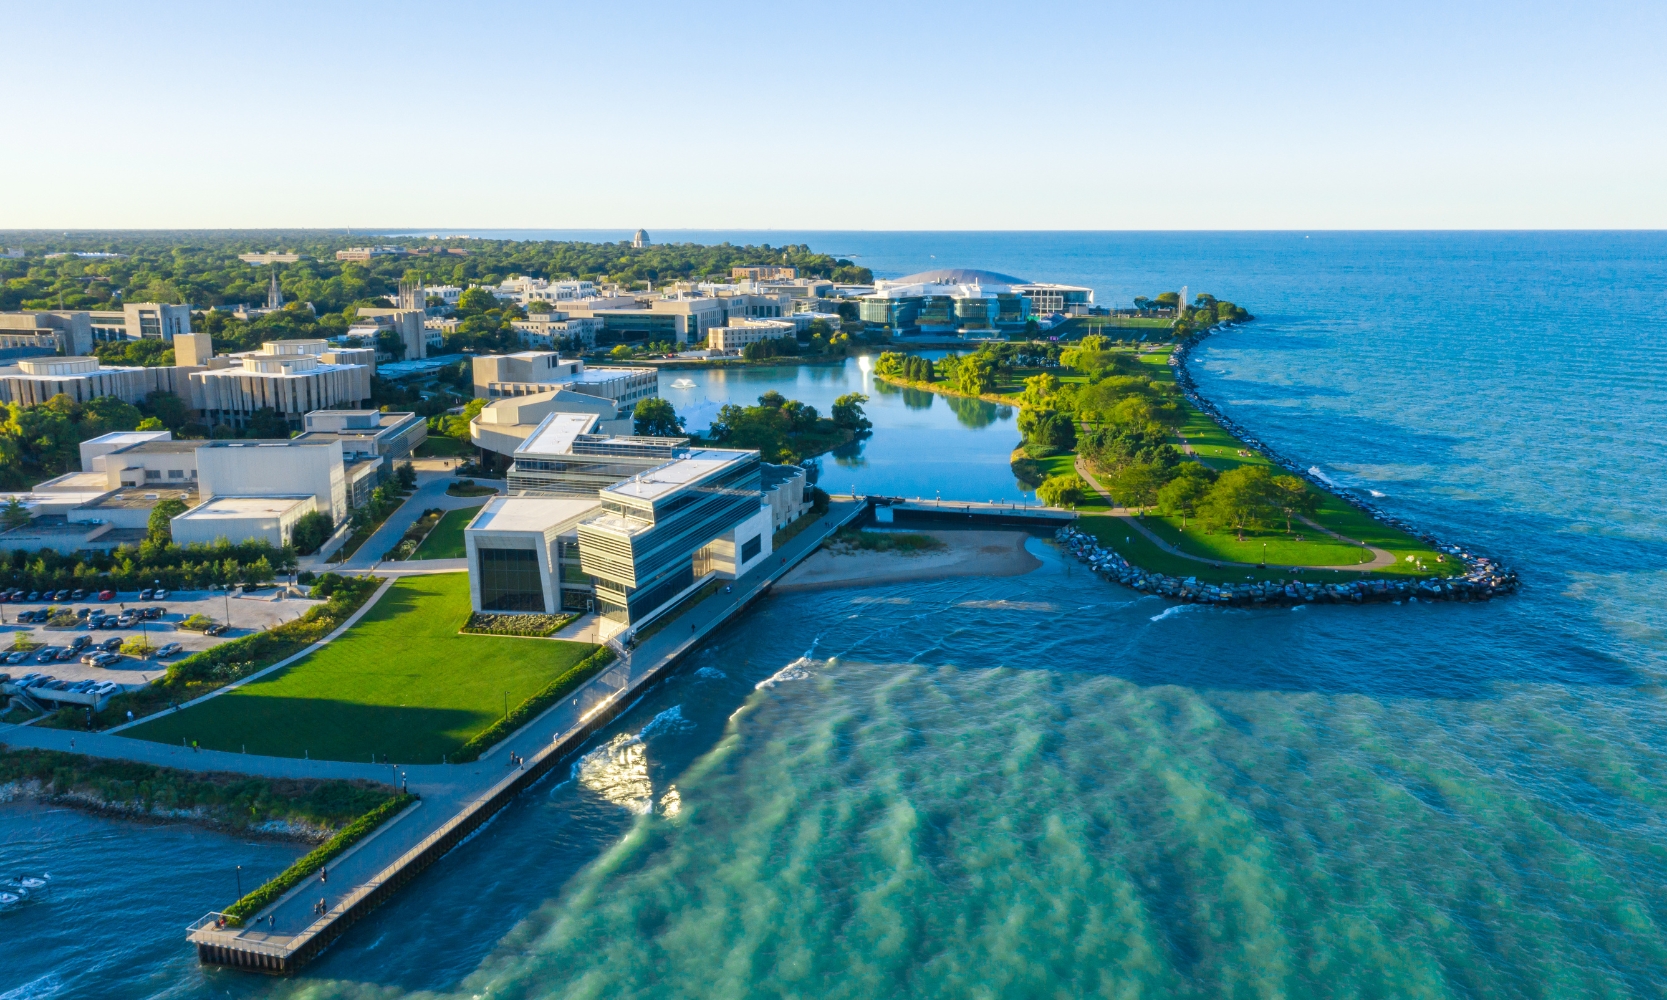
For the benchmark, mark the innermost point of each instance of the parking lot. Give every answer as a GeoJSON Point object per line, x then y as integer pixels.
{"type": "Point", "coordinates": [246, 614]}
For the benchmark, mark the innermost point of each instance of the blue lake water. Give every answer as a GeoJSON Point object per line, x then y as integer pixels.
{"type": "Point", "coordinates": [1049, 786]}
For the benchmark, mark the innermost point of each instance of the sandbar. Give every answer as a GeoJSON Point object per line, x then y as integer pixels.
{"type": "Point", "coordinates": [968, 553]}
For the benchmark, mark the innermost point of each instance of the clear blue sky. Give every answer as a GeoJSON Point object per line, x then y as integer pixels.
{"type": "Point", "coordinates": [838, 116]}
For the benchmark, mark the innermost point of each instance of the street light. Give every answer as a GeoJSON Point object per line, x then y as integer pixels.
{"type": "Point", "coordinates": [239, 881]}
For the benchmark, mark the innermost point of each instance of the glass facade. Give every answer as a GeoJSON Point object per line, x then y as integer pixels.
{"type": "Point", "coordinates": [509, 580]}
{"type": "Point", "coordinates": [751, 547]}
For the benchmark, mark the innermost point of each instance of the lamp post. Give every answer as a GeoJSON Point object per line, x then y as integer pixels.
{"type": "Point", "coordinates": [239, 881]}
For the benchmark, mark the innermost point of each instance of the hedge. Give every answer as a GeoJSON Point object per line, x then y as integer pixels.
{"type": "Point", "coordinates": [548, 695]}
{"type": "Point", "coordinates": [310, 863]}
{"type": "Point", "coordinates": [481, 623]}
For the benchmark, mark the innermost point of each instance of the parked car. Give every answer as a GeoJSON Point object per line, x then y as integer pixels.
{"type": "Point", "coordinates": [220, 629]}
{"type": "Point", "coordinates": [17, 658]}
{"type": "Point", "coordinates": [78, 594]}
{"type": "Point", "coordinates": [62, 595]}
{"type": "Point", "coordinates": [153, 612]}
{"type": "Point", "coordinates": [127, 620]}
{"type": "Point", "coordinates": [90, 659]}
{"type": "Point", "coordinates": [107, 659]}
{"type": "Point", "coordinates": [160, 595]}
{"type": "Point", "coordinates": [79, 641]}
{"type": "Point", "coordinates": [34, 595]}
{"type": "Point", "coordinates": [107, 595]}
{"type": "Point", "coordinates": [168, 650]}
{"type": "Point", "coordinates": [109, 645]}
{"type": "Point", "coordinates": [67, 653]}
{"type": "Point", "coordinates": [145, 595]}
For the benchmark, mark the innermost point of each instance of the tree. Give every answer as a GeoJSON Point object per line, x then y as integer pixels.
{"type": "Point", "coordinates": [150, 424]}
{"type": "Point", "coordinates": [655, 417]}
{"type": "Point", "coordinates": [268, 423]}
{"type": "Point", "coordinates": [1137, 484]}
{"type": "Point", "coordinates": [13, 513]}
{"type": "Point", "coordinates": [1293, 498]}
{"type": "Point", "coordinates": [848, 414]}
{"type": "Point", "coordinates": [160, 529]}
{"type": "Point", "coordinates": [406, 474]}
{"type": "Point", "coordinates": [1046, 432]}
{"type": "Point", "coordinates": [1063, 490]}
{"type": "Point", "coordinates": [1241, 497]}
{"type": "Point", "coordinates": [1182, 495]}
{"type": "Point", "coordinates": [312, 530]}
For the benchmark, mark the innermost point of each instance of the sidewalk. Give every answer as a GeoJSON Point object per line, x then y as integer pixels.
{"type": "Point", "coordinates": [430, 493]}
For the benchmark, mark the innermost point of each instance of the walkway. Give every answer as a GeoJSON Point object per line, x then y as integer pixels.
{"type": "Point", "coordinates": [1381, 558]}
{"type": "Point", "coordinates": [450, 792]}
{"type": "Point", "coordinates": [430, 493]}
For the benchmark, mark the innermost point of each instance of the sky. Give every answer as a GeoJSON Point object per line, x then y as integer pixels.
{"type": "Point", "coordinates": [856, 115]}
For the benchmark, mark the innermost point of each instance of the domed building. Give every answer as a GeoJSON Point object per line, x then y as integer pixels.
{"type": "Point", "coordinates": [640, 240]}
{"type": "Point", "coordinates": [967, 302]}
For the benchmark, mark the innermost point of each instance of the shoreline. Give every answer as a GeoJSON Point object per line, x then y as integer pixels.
{"type": "Point", "coordinates": [966, 553]}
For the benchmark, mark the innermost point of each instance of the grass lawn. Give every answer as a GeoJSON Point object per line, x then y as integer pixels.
{"type": "Point", "coordinates": [444, 447]}
{"type": "Point", "coordinates": [401, 684]}
{"type": "Point", "coordinates": [445, 541]}
{"type": "Point", "coordinates": [1284, 550]}
{"type": "Point", "coordinates": [1117, 535]}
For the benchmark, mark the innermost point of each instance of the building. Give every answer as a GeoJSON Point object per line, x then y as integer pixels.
{"type": "Point", "coordinates": [269, 519]}
{"type": "Point", "coordinates": [766, 273]}
{"type": "Point", "coordinates": [142, 321]}
{"type": "Point", "coordinates": [522, 555]}
{"type": "Point", "coordinates": [640, 239]}
{"type": "Point", "coordinates": [193, 350]}
{"type": "Point", "coordinates": [367, 436]}
{"type": "Point", "coordinates": [259, 468]}
{"type": "Point", "coordinates": [539, 292]}
{"type": "Point", "coordinates": [503, 425]}
{"type": "Point", "coordinates": [784, 490]}
{"type": "Point", "coordinates": [407, 324]}
{"type": "Point", "coordinates": [557, 330]}
{"type": "Point", "coordinates": [741, 332]}
{"type": "Point", "coordinates": [564, 455]}
{"type": "Point", "coordinates": [129, 507]}
{"type": "Point", "coordinates": [289, 376]}
{"type": "Point", "coordinates": [28, 333]}
{"type": "Point", "coordinates": [528, 372]}
{"type": "Point", "coordinates": [1045, 298]}
{"type": "Point", "coordinates": [447, 294]}
{"type": "Point", "coordinates": [269, 258]}
{"type": "Point", "coordinates": [663, 533]}
{"type": "Point", "coordinates": [947, 300]}
{"type": "Point", "coordinates": [127, 459]}
{"type": "Point", "coordinates": [32, 381]}
{"type": "Point", "coordinates": [94, 449]}
{"type": "Point", "coordinates": [367, 253]}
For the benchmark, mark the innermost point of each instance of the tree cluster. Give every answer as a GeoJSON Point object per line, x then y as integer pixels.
{"type": "Point", "coordinates": [788, 431]}
{"type": "Point", "coordinates": [190, 567]}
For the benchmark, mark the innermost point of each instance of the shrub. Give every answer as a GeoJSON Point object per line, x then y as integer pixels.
{"type": "Point", "coordinates": [312, 530]}
{"type": "Point", "coordinates": [1064, 490]}
{"type": "Point", "coordinates": [196, 623]}
{"type": "Point", "coordinates": [320, 856]}
{"type": "Point", "coordinates": [138, 646]}
{"type": "Point", "coordinates": [530, 625]}
{"type": "Point", "coordinates": [551, 693]}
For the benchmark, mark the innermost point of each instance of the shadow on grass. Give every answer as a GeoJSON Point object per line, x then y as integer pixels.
{"type": "Point", "coordinates": [323, 729]}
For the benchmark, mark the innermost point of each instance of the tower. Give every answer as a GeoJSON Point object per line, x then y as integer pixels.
{"type": "Point", "coordinates": [411, 295]}
{"type": "Point", "coordinates": [274, 294]}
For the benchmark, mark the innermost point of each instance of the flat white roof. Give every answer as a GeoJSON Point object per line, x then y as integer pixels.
{"type": "Point", "coordinates": [555, 434]}
{"type": "Point", "coordinates": [122, 439]}
{"type": "Point", "coordinates": [239, 508]}
{"type": "Point", "coordinates": [76, 482]}
{"type": "Point", "coordinates": [659, 481]}
{"type": "Point", "coordinates": [239, 372]}
{"type": "Point", "coordinates": [538, 514]}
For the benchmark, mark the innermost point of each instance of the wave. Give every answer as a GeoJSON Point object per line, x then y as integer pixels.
{"type": "Point", "coordinates": [1175, 610]}
{"type": "Point", "coordinates": [711, 674]}
{"type": "Point", "coordinates": [618, 772]}
{"type": "Point", "coordinates": [670, 721]}
{"type": "Point", "coordinates": [37, 989]}
{"type": "Point", "coordinates": [1314, 470]}
{"type": "Point", "coordinates": [795, 671]}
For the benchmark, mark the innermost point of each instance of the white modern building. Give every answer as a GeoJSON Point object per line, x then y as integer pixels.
{"type": "Point", "coordinates": [529, 372]}
{"type": "Point", "coordinates": [522, 556]}
{"type": "Point", "coordinates": [32, 381]}
{"type": "Point", "coordinates": [269, 519]}
{"type": "Point", "coordinates": [289, 376]}
{"type": "Point", "coordinates": [741, 332]}
{"type": "Point", "coordinates": [290, 468]}
{"type": "Point", "coordinates": [564, 455]}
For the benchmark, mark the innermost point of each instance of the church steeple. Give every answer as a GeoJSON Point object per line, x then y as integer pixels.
{"type": "Point", "coordinates": [274, 295]}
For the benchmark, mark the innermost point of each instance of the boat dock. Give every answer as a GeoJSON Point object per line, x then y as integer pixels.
{"type": "Point", "coordinates": [456, 799]}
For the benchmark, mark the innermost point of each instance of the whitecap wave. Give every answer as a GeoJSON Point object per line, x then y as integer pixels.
{"type": "Point", "coordinates": [37, 989]}
{"type": "Point", "coordinates": [671, 803]}
{"type": "Point", "coordinates": [1004, 605]}
{"type": "Point", "coordinates": [1175, 610]}
{"type": "Point", "coordinates": [798, 670]}
{"type": "Point", "coordinates": [618, 771]}
{"type": "Point", "coordinates": [1376, 493]}
{"type": "Point", "coordinates": [1314, 470]}
{"type": "Point", "coordinates": [1299, 607]}
{"type": "Point", "coordinates": [669, 722]}
{"type": "Point", "coordinates": [711, 674]}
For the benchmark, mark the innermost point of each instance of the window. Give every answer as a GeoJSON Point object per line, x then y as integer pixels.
{"type": "Point", "coordinates": [176, 473]}
{"type": "Point", "coordinates": [751, 547]}
{"type": "Point", "coordinates": [509, 580]}
{"type": "Point", "coordinates": [153, 474]}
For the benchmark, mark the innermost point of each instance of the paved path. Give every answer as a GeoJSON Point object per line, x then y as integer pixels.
{"type": "Point", "coordinates": [447, 790]}
{"type": "Point", "coordinates": [1381, 558]}
{"type": "Point", "coordinates": [430, 493]}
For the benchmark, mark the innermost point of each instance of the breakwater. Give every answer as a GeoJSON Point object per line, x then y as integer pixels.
{"type": "Point", "coordinates": [1480, 584]}
{"type": "Point", "coordinates": [1479, 569]}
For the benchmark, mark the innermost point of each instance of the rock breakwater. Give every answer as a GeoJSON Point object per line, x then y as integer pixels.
{"type": "Point", "coordinates": [1482, 582]}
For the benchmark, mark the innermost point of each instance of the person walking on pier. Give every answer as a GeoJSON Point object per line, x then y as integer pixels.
{"type": "Point", "coordinates": [323, 875]}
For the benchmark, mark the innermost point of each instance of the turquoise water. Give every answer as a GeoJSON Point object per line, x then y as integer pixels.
{"type": "Point", "coordinates": [1049, 786]}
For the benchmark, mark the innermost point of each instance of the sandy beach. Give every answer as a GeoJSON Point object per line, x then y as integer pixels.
{"type": "Point", "coordinates": [968, 553]}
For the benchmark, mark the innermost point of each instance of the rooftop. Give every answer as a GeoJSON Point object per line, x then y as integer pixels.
{"type": "Point", "coordinates": [139, 498]}
{"type": "Point", "coordinates": [121, 439]}
{"type": "Point", "coordinates": [957, 276]}
{"type": "Point", "coordinates": [76, 482]}
{"type": "Point", "coordinates": [229, 508]}
{"type": "Point", "coordinates": [160, 447]}
{"type": "Point", "coordinates": [674, 475]}
{"type": "Point", "coordinates": [530, 513]}
{"type": "Point", "coordinates": [294, 442]}
{"type": "Point", "coordinates": [554, 435]}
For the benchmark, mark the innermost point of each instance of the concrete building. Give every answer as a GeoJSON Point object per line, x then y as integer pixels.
{"type": "Point", "coordinates": [94, 449]}
{"type": "Point", "coordinates": [784, 490]}
{"type": "Point", "coordinates": [536, 294]}
{"type": "Point", "coordinates": [25, 333]}
{"type": "Point", "coordinates": [556, 330]}
{"type": "Point", "coordinates": [129, 508]}
{"type": "Point", "coordinates": [522, 555]}
{"type": "Point", "coordinates": [741, 332]}
{"type": "Point", "coordinates": [288, 376]}
{"type": "Point", "coordinates": [503, 425]}
{"type": "Point", "coordinates": [661, 534]}
{"type": "Point", "coordinates": [31, 381]}
{"type": "Point", "coordinates": [382, 440]}
{"type": "Point", "coordinates": [407, 324]}
{"type": "Point", "coordinates": [260, 468]}
{"type": "Point", "coordinates": [156, 462]}
{"type": "Point", "coordinates": [530, 372]}
{"type": "Point", "coordinates": [766, 273]}
{"type": "Point", "coordinates": [565, 455]}
{"type": "Point", "coordinates": [363, 254]}
{"type": "Point", "coordinates": [269, 258]}
{"type": "Point", "coordinates": [948, 300]}
{"type": "Point", "coordinates": [141, 321]}
{"type": "Point", "coordinates": [193, 350]}
{"type": "Point", "coordinates": [269, 519]}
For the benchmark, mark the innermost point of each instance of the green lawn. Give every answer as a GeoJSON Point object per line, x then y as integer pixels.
{"type": "Point", "coordinates": [1121, 537]}
{"type": "Point", "coordinates": [444, 447]}
{"type": "Point", "coordinates": [401, 684]}
{"type": "Point", "coordinates": [445, 541]}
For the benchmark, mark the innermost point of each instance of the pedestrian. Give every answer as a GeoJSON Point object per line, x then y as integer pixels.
{"type": "Point", "coordinates": [323, 875]}
{"type": "Point", "coordinates": [72, 743]}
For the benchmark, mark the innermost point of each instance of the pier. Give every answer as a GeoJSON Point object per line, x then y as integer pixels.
{"type": "Point", "coordinates": [900, 510]}
{"type": "Point", "coordinates": [457, 799]}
